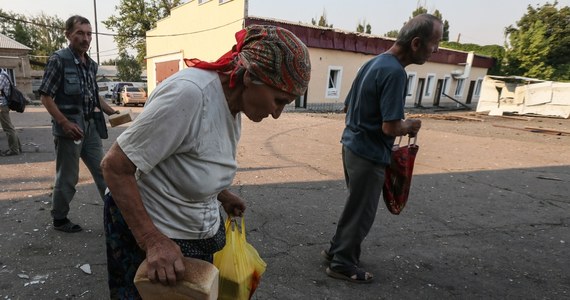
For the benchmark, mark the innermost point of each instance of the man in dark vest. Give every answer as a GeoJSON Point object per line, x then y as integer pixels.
{"type": "Point", "coordinates": [70, 94]}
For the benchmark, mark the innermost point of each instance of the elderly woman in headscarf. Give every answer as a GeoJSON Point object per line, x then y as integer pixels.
{"type": "Point", "coordinates": [168, 173]}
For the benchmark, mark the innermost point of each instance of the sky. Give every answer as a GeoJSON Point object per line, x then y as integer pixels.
{"type": "Point", "coordinates": [471, 21]}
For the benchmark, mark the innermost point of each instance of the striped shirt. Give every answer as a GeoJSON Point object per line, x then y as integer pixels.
{"type": "Point", "coordinates": [4, 87]}
{"type": "Point", "coordinates": [53, 77]}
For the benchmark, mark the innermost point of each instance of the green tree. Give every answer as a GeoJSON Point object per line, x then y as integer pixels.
{"type": "Point", "coordinates": [422, 10]}
{"type": "Point", "coordinates": [128, 68]}
{"type": "Point", "coordinates": [495, 51]}
{"type": "Point", "coordinates": [418, 11]}
{"type": "Point", "coordinates": [48, 34]}
{"type": "Point", "coordinates": [42, 33]}
{"type": "Point", "coordinates": [109, 62]}
{"type": "Point", "coordinates": [9, 21]}
{"type": "Point", "coordinates": [134, 18]}
{"type": "Point", "coordinates": [22, 34]}
{"type": "Point", "coordinates": [438, 15]}
{"type": "Point", "coordinates": [364, 27]}
{"type": "Point", "coordinates": [540, 44]}
{"type": "Point", "coordinates": [391, 34]}
{"type": "Point", "coordinates": [529, 51]}
{"type": "Point", "coordinates": [322, 21]}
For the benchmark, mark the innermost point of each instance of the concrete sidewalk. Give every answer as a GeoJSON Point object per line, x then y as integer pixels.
{"type": "Point", "coordinates": [487, 218]}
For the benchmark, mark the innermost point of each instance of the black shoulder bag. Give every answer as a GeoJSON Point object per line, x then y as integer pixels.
{"type": "Point", "coordinates": [16, 102]}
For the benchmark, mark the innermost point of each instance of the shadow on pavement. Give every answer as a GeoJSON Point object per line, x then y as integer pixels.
{"type": "Point", "coordinates": [484, 234]}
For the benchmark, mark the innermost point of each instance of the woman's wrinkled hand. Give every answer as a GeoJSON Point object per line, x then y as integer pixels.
{"type": "Point", "coordinates": [232, 203]}
{"type": "Point", "coordinates": [164, 258]}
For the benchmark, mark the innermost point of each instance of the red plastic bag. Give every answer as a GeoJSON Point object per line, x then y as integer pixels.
{"type": "Point", "coordinates": [239, 263]}
{"type": "Point", "coordinates": [398, 176]}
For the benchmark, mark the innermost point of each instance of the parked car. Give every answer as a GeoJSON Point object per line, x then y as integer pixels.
{"type": "Point", "coordinates": [132, 95]}
{"type": "Point", "coordinates": [117, 91]}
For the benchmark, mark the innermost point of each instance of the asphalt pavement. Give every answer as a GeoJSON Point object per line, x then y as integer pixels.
{"type": "Point", "coordinates": [487, 218]}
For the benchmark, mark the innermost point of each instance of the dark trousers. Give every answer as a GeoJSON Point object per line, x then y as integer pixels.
{"type": "Point", "coordinates": [13, 140]}
{"type": "Point", "coordinates": [364, 180]}
{"type": "Point", "coordinates": [68, 153]}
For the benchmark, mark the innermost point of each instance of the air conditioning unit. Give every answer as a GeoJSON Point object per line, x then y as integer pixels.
{"type": "Point", "coordinates": [456, 73]}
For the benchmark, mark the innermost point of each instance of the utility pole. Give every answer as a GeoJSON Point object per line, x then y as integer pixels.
{"type": "Point", "coordinates": [96, 31]}
{"type": "Point", "coordinates": [458, 37]}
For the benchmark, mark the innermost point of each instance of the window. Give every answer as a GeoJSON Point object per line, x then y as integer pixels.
{"type": "Point", "coordinates": [202, 1]}
{"type": "Point", "coordinates": [459, 87]}
{"type": "Point", "coordinates": [445, 85]}
{"type": "Point", "coordinates": [224, 1]}
{"type": "Point", "coordinates": [430, 84]}
{"type": "Point", "coordinates": [478, 85]}
{"type": "Point", "coordinates": [334, 81]}
{"type": "Point", "coordinates": [410, 85]}
{"type": "Point", "coordinates": [134, 89]}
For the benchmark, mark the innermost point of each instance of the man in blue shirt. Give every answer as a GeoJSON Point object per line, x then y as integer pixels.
{"type": "Point", "coordinates": [375, 116]}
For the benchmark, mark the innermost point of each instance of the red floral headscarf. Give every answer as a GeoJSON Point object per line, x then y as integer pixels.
{"type": "Point", "coordinates": [272, 54]}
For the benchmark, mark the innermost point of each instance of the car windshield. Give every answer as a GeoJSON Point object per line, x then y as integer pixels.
{"type": "Point", "coordinates": [134, 89]}
{"type": "Point", "coordinates": [120, 86]}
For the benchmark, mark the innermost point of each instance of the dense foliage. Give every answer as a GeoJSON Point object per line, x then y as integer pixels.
{"type": "Point", "coordinates": [540, 44]}
{"type": "Point", "coordinates": [134, 18]}
{"type": "Point", "coordinates": [42, 33]}
{"type": "Point", "coordinates": [495, 51]}
{"type": "Point", "coordinates": [362, 25]}
{"type": "Point", "coordinates": [322, 21]}
{"type": "Point", "coordinates": [128, 69]}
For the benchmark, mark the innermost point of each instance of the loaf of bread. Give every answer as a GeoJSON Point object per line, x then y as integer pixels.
{"type": "Point", "coordinates": [121, 118]}
{"type": "Point", "coordinates": [200, 282]}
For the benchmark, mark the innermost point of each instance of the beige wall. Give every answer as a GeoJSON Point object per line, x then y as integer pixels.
{"type": "Point", "coordinates": [206, 31]}
{"type": "Point", "coordinates": [440, 71]}
{"type": "Point", "coordinates": [19, 62]}
{"type": "Point", "coordinates": [321, 61]}
{"type": "Point", "coordinates": [193, 30]}
{"type": "Point", "coordinates": [349, 63]}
